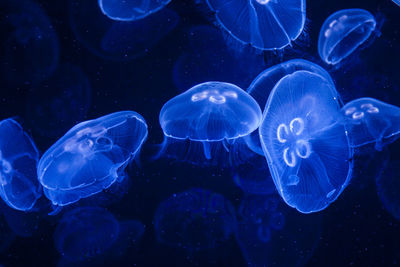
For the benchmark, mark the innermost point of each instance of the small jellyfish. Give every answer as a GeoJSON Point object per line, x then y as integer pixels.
{"type": "Point", "coordinates": [210, 113]}
{"type": "Point", "coordinates": [343, 32]}
{"type": "Point", "coordinates": [130, 10]}
{"type": "Point", "coordinates": [371, 121]}
{"type": "Point", "coordinates": [271, 234]}
{"type": "Point", "coordinates": [263, 84]}
{"type": "Point", "coordinates": [196, 219]}
{"type": "Point", "coordinates": [86, 232]}
{"type": "Point", "coordinates": [19, 156]}
{"type": "Point", "coordinates": [263, 24]}
{"type": "Point", "coordinates": [308, 152]}
{"type": "Point", "coordinates": [91, 156]}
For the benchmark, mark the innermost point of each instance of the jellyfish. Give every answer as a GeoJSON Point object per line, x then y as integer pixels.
{"type": "Point", "coordinates": [91, 157]}
{"type": "Point", "coordinates": [397, 2]}
{"type": "Point", "coordinates": [343, 32]}
{"type": "Point", "coordinates": [196, 219]}
{"type": "Point", "coordinates": [19, 156]}
{"type": "Point", "coordinates": [130, 10]}
{"type": "Point", "coordinates": [262, 85]}
{"type": "Point", "coordinates": [271, 234]}
{"type": "Point", "coordinates": [70, 89]}
{"type": "Point", "coordinates": [263, 24]}
{"type": "Point", "coordinates": [30, 48]}
{"type": "Point", "coordinates": [118, 40]}
{"type": "Point", "coordinates": [210, 113]}
{"type": "Point", "coordinates": [207, 57]}
{"type": "Point", "coordinates": [308, 152]}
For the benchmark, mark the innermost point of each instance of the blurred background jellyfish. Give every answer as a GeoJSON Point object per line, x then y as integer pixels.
{"type": "Point", "coordinates": [211, 113]}
{"type": "Point", "coordinates": [271, 234]}
{"type": "Point", "coordinates": [207, 57]}
{"type": "Point", "coordinates": [308, 153]}
{"type": "Point", "coordinates": [118, 40]}
{"type": "Point", "coordinates": [91, 156]}
{"type": "Point", "coordinates": [196, 219]}
{"type": "Point", "coordinates": [30, 47]}
{"type": "Point", "coordinates": [130, 10]}
{"type": "Point", "coordinates": [263, 24]}
{"type": "Point", "coordinates": [343, 32]}
{"type": "Point", "coordinates": [70, 89]}
{"type": "Point", "coordinates": [371, 121]}
{"type": "Point", "coordinates": [19, 156]}
{"type": "Point", "coordinates": [263, 84]}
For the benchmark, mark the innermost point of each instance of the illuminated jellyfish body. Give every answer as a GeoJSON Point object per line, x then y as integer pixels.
{"type": "Point", "coordinates": [210, 113]}
{"type": "Point", "coordinates": [118, 40]}
{"type": "Point", "coordinates": [30, 47]}
{"type": "Point", "coordinates": [271, 234]}
{"type": "Point", "coordinates": [343, 32]}
{"type": "Point", "coordinates": [19, 187]}
{"type": "Point", "coordinates": [70, 89]}
{"type": "Point", "coordinates": [130, 10]}
{"type": "Point", "coordinates": [263, 84]}
{"type": "Point", "coordinates": [371, 121]}
{"type": "Point", "coordinates": [196, 219]}
{"type": "Point", "coordinates": [308, 152]}
{"type": "Point", "coordinates": [91, 156]}
{"type": "Point", "coordinates": [263, 24]}
{"type": "Point", "coordinates": [207, 57]}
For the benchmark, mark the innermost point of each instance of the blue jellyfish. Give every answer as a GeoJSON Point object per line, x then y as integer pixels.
{"type": "Point", "coordinates": [118, 40]}
{"type": "Point", "coordinates": [262, 85]}
{"type": "Point", "coordinates": [30, 48]}
{"type": "Point", "coordinates": [196, 219]}
{"type": "Point", "coordinates": [271, 234]}
{"type": "Point", "coordinates": [371, 121]}
{"type": "Point", "coordinates": [308, 152]}
{"type": "Point", "coordinates": [343, 32]}
{"type": "Point", "coordinates": [210, 113]}
{"type": "Point", "coordinates": [130, 10]}
{"type": "Point", "coordinates": [70, 89]}
{"type": "Point", "coordinates": [263, 24]}
{"type": "Point", "coordinates": [19, 156]}
{"type": "Point", "coordinates": [91, 156]}
{"type": "Point", "coordinates": [208, 58]}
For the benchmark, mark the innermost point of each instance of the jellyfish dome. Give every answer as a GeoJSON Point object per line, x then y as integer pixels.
{"type": "Point", "coordinates": [91, 156]}
{"type": "Point", "coordinates": [130, 10]}
{"type": "Point", "coordinates": [371, 121]}
{"type": "Point", "coordinates": [210, 112]}
{"type": "Point", "coordinates": [308, 152]}
{"type": "Point", "coordinates": [264, 24]}
{"type": "Point", "coordinates": [343, 32]}
{"type": "Point", "coordinates": [19, 187]}
{"type": "Point", "coordinates": [263, 84]}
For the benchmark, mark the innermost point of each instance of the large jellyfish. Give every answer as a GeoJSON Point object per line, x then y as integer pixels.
{"type": "Point", "coordinates": [30, 48]}
{"type": "Point", "coordinates": [91, 156]}
{"type": "Point", "coordinates": [343, 32]}
{"type": "Point", "coordinates": [308, 152]}
{"type": "Point", "coordinates": [19, 187]}
{"type": "Point", "coordinates": [194, 220]}
{"type": "Point", "coordinates": [263, 24]}
{"type": "Point", "coordinates": [130, 10]}
{"type": "Point", "coordinates": [371, 121]}
{"type": "Point", "coordinates": [210, 113]}
{"type": "Point", "coordinates": [263, 84]}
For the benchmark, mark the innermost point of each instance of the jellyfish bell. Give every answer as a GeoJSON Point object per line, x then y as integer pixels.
{"type": "Point", "coordinates": [210, 113]}
{"type": "Point", "coordinates": [91, 156]}
{"type": "Point", "coordinates": [130, 10]}
{"type": "Point", "coordinates": [308, 152]}
{"type": "Point", "coordinates": [262, 24]}
{"type": "Point", "coordinates": [369, 120]}
{"type": "Point", "coordinates": [19, 156]}
{"type": "Point", "coordinates": [263, 84]}
{"type": "Point", "coordinates": [343, 32]}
